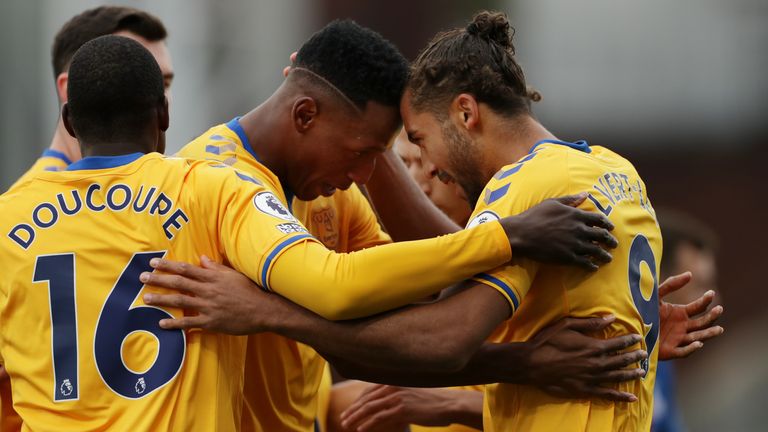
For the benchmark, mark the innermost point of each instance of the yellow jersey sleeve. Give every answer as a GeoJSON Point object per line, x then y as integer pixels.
{"type": "Point", "coordinates": [264, 240]}
{"type": "Point", "coordinates": [51, 160]}
{"type": "Point", "coordinates": [346, 286]}
{"type": "Point", "coordinates": [513, 190]}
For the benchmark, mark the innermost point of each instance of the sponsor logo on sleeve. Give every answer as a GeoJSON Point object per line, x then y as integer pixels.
{"type": "Point", "coordinates": [266, 202]}
{"type": "Point", "coordinates": [289, 228]}
{"type": "Point", "coordinates": [483, 217]}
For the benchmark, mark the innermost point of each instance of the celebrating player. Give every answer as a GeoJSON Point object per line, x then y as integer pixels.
{"type": "Point", "coordinates": [468, 108]}
{"type": "Point", "coordinates": [84, 235]}
{"type": "Point", "coordinates": [315, 137]}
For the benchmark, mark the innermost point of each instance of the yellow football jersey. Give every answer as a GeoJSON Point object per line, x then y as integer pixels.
{"type": "Point", "coordinates": [51, 160]}
{"type": "Point", "coordinates": [282, 377]}
{"type": "Point", "coordinates": [540, 295]}
{"type": "Point", "coordinates": [78, 240]}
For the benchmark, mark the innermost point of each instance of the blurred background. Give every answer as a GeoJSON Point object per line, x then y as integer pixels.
{"type": "Point", "coordinates": [677, 87]}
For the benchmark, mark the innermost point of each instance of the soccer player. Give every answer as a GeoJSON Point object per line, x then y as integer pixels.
{"type": "Point", "coordinates": [468, 108]}
{"type": "Point", "coordinates": [317, 136]}
{"type": "Point", "coordinates": [78, 240]}
{"type": "Point", "coordinates": [136, 24]}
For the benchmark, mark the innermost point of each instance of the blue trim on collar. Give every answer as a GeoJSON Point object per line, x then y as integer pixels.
{"type": "Point", "coordinates": [234, 126]}
{"type": "Point", "coordinates": [580, 145]}
{"type": "Point", "coordinates": [101, 162]}
{"type": "Point", "coordinates": [58, 155]}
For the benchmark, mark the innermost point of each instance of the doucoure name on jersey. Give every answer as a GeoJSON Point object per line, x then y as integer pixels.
{"type": "Point", "coordinates": [617, 187]}
{"type": "Point", "coordinates": [118, 197]}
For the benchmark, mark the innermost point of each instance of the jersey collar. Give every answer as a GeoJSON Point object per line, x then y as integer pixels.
{"type": "Point", "coordinates": [580, 145]}
{"type": "Point", "coordinates": [235, 126]}
{"type": "Point", "coordinates": [101, 162]}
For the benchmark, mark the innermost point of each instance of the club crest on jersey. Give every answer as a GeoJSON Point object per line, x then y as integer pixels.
{"type": "Point", "coordinates": [483, 217]}
{"type": "Point", "coordinates": [268, 203]}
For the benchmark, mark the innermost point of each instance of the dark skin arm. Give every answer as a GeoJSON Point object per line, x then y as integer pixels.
{"type": "Point", "coordinates": [229, 302]}
{"type": "Point", "coordinates": [392, 190]}
{"type": "Point", "coordinates": [390, 408]}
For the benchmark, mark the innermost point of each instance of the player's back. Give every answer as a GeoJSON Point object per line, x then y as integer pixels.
{"type": "Point", "coordinates": [627, 287]}
{"type": "Point", "coordinates": [82, 350]}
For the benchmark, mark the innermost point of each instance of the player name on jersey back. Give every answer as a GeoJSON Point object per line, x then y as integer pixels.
{"type": "Point", "coordinates": [117, 198]}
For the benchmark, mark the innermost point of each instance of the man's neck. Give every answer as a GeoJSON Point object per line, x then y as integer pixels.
{"type": "Point", "coordinates": [507, 141]}
{"type": "Point", "coordinates": [262, 126]}
{"type": "Point", "coordinates": [62, 142]}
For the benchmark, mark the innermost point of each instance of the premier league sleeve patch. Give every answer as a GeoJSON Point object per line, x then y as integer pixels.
{"type": "Point", "coordinates": [483, 217]}
{"type": "Point", "coordinates": [266, 202]}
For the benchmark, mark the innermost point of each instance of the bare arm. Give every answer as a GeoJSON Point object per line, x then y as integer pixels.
{"type": "Point", "coordinates": [406, 212]}
{"type": "Point", "coordinates": [401, 348]}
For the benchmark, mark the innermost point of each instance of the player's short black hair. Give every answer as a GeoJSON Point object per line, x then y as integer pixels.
{"type": "Point", "coordinates": [114, 87]}
{"type": "Point", "coordinates": [101, 21]}
{"type": "Point", "coordinates": [358, 61]}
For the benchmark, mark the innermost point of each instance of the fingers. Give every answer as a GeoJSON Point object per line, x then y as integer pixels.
{"type": "Point", "coordinates": [368, 409]}
{"type": "Point", "coordinates": [595, 219]}
{"type": "Point", "coordinates": [171, 281]}
{"type": "Point", "coordinates": [210, 264]}
{"type": "Point", "coordinates": [685, 351]}
{"type": "Point", "coordinates": [572, 200]}
{"type": "Point", "coordinates": [622, 360]}
{"type": "Point", "coordinates": [702, 335]}
{"type": "Point", "coordinates": [621, 343]}
{"type": "Point", "coordinates": [700, 304]}
{"type": "Point", "coordinates": [674, 283]}
{"type": "Point", "coordinates": [598, 254]}
{"type": "Point", "coordinates": [178, 301]}
{"type": "Point", "coordinates": [601, 236]}
{"type": "Point", "coordinates": [705, 321]}
{"type": "Point", "coordinates": [610, 394]}
{"type": "Point", "coordinates": [589, 324]}
{"type": "Point", "coordinates": [186, 322]}
{"type": "Point", "coordinates": [181, 268]}
{"type": "Point", "coordinates": [616, 376]}
{"type": "Point", "coordinates": [293, 56]}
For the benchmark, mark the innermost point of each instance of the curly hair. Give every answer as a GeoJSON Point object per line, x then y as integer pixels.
{"type": "Point", "coordinates": [478, 59]}
{"type": "Point", "coordinates": [358, 61]}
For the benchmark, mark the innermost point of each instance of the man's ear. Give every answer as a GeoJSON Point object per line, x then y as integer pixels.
{"type": "Point", "coordinates": [465, 107]}
{"type": "Point", "coordinates": [163, 115]}
{"type": "Point", "coordinates": [65, 120]}
{"type": "Point", "coordinates": [61, 87]}
{"type": "Point", "coordinates": [304, 113]}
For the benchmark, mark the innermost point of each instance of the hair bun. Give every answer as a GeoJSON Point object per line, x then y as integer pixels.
{"type": "Point", "coordinates": [492, 26]}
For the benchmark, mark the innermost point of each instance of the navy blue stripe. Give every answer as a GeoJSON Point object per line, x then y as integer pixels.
{"type": "Point", "coordinates": [493, 196]}
{"type": "Point", "coordinates": [580, 145]}
{"type": "Point", "coordinates": [498, 282]}
{"type": "Point", "coordinates": [234, 126]}
{"type": "Point", "coordinates": [101, 162]}
{"type": "Point", "coordinates": [58, 155]}
{"type": "Point", "coordinates": [268, 262]}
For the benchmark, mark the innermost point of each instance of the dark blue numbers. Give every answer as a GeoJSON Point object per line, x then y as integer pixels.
{"type": "Point", "coordinates": [641, 252]}
{"type": "Point", "coordinates": [59, 271]}
{"type": "Point", "coordinates": [117, 320]}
